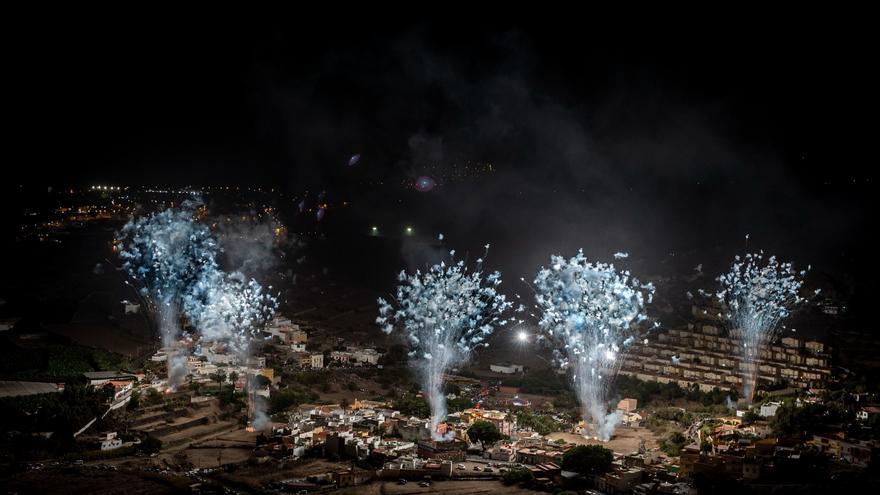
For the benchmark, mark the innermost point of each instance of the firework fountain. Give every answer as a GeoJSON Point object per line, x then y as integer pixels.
{"type": "Point", "coordinates": [445, 312]}
{"type": "Point", "coordinates": [588, 312]}
{"type": "Point", "coordinates": [172, 259]}
{"type": "Point", "coordinates": [231, 309]}
{"type": "Point", "coordinates": [166, 254]}
{"type": "Point", "coordinates": [757, 297]}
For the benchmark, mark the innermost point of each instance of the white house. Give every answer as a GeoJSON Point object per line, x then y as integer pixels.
{"type": "Point", "coordinates": [317, 360]}
{"type": "Point", "coordinates": [507, 369]}
{"type": "Point", "coordinates": [111, 441]}
{"type": "Point", "coordinates": [769, 409]}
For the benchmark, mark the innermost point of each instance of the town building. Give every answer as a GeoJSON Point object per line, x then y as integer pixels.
{"type": "Point", "coordinates": [453, 450]}
{"type": "Point", "coordinates": [704, 355]}
{"type": "Point", "coordinates": [507, 369]}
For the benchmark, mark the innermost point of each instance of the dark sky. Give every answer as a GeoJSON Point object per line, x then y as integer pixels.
{"type": "Point", "coordinates": [147, 100]}
{"type": "Point", "coordinates": [607, 134]}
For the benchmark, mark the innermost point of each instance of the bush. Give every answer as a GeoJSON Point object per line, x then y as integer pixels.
{"type": "Point", "coordinates": [517, 476]}
{"type": "Point", "coordinates": [484, 432]}
{"type": "Point", "coordinates": [544, 425]}
{"type": "Point", "coordinates": [411, 405]}
{"type": "Point", "coordinates": [673, 444]}
{"type": "Point", "coordinates": [587, 459]}
{"type": "Point", "coordinates": [290, 397]}
{"type": "Point", "coordinates": [150, 445]}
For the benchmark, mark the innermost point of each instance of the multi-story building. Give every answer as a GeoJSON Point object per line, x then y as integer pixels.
{"type": "Point", "coordinates": [704, 355]}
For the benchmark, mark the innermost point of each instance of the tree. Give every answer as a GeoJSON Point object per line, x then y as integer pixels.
{"type": "Point", "coordinates": [344, 403]}
{"type": "Point", "coordinates": [153, 397]}
{"type": "Point", "coordinates": [484, 432]}
{"type": "Point", "coordinates": [150, 445]}
{"type": "Point", "coordinates": [587, 459]}
{"type": "Point", "coordinates": [261, 381]}
{"type": "Point", "coordinates": [750, 417]}
{"type": "Point", "coordinates": [134, 402]}
{"type": "Point", "coordinates": [411, 405]}
{"type": "Point", "coordinates": [219, 377]}
{"type": "Point", "coordinates": [674, 443]}
{"type": "Point", "coordinates": [517, 475]}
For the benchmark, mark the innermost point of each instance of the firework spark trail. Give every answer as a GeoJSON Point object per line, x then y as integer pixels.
{"type": "Point", "coordinates": [757, 297]}
{"type": "Point", "coordinates": [172, 258]}
{"type": "Point", "coordinates": [166, 253]}
{"type": "Point", "coordinates": [445, 312]}
{"type": "Point", "coordinates": [231, 309]}
{"type": "Point", "coordinates": [227, 307]}
{"type": "Point", "coordinates": [588, 312]}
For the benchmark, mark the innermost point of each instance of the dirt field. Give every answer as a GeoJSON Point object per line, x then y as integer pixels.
{"type": "Point", "coordinates": [256, 477]}
{"type": "Point", "coordinates": [86, 480]}
{"type": "Point", "coordinates": [625, 441]}
{"type": "Point", "coordinates": [441, 487]}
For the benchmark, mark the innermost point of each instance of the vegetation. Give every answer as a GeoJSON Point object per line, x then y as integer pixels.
{"type": "Point", "coordinates": [484, 432]}
{"type": "Point", "coordinates": [518, 476]}
{"type": "Point", "coordinates": [792, 420]}
{"type": "Point", "coordinates": [59, 360]}
{"type": "Point", "coordinates": [150, 445]}
{"type": "Point", "coordinates": [459, 404]}
{"type": "Point", "coordinates": [153, 397]}
{"type": "Point", "coordinates": [650, 392]}
{"type": "Point", "coordinates": [673, 444]}
{"type": "Point", "coordinates": [305, 377]}
{"type": "Point", "coordinates": [541, 382]}
{"type": "Point", "coordinates": [62, 413]}
{"type": "Point", "coordinates": [543, 424]}
{"type": "Point", "coordinates": [587, 459]}
{"type": "Point", "coordinates": [750, 417]}
{"type": "Point", "coordinates": [411, 405]}
{"type": "Point", "coordinates": [290, 397]}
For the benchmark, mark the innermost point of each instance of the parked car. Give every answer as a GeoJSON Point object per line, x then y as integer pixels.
{"type": "Point", "coordinates": [401, 481]}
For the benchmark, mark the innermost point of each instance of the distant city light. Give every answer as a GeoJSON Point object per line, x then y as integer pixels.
{"type": "Point", "coordinates": [409, 231]}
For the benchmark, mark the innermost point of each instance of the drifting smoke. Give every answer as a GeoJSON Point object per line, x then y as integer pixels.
{"type": "Point", "coordinates": [445, 312]}
{"type": "Point", "coordinates": [587, 311]}
{"type": "Point", "coordinates": [232, 309]}
{"type": "Point", "coordinates": [731, 405]}
{"type": "Point", "coordinates": [252, 248]}
{"type": "Point", "coordinates": [757, 298]}
{"type": "Point", "coordinates": [166, 253]}
{"type": "Point", "coordinates": [257, 406]}
{"type": "Point", "coordinates": [173, 259]}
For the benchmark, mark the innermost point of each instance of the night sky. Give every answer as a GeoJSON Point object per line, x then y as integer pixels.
{"type": "Point", "coordinates": [650, 138]}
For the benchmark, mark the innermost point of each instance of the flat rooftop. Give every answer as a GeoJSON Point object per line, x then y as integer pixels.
{"type": "Point", "coordinates": [16, 389]}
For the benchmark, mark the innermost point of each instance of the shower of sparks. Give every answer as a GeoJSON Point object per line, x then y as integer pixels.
{"type": "Point", "coordinates": [445, 312]}
{"type": "Point", "coordinates": [588, 310]}
{"type": "Point", "coordinates": [757, 295]}
{"type": "Point", "coordinates": [166, 253]}
{"type": "Point", "coordinates": [173, 260]}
